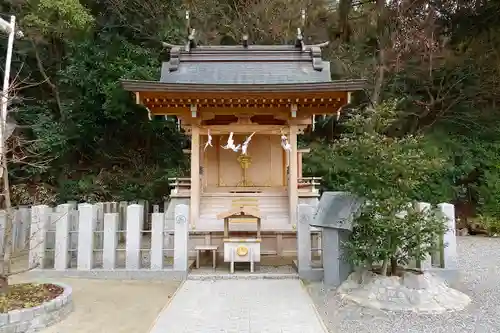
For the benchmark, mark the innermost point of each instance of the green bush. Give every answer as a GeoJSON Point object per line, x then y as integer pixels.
{"type": "Point", "coordinates": [386, 172]}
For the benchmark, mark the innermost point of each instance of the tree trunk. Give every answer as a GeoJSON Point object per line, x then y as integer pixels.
{"type": "Point", "coordinates": [394, 266]}
{"type": "Point", "coordinates": [381, 56]}
{"type": "Point", "coordinates": [385, 264]}
{"type": "Point", "coordinates": [47, 79]}
{"type": "Point", "coordinates": [4, 284]}
{"type": "Point", "coordinates": [9, 217]}
{"type": "Point", "coordinates": [344, 9]}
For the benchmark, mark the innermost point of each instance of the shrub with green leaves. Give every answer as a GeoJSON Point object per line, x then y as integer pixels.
{"type": "Point", "coordinates": [379, 236]}
{"type": "Point", "coordinates": [386, 172]}
{"type": "Point", "coordinates": [491, 224]}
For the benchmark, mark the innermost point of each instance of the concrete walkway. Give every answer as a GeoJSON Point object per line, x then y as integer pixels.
{"type": "Point", "coordinates": [240, 306]}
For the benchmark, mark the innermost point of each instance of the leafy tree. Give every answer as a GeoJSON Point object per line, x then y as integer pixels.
{"type": "Point", "coordinates": [386, 172]}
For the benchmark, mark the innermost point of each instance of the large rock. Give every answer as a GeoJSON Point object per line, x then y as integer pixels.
{"type": "Point", "coordinates": [415, 281]}
{"type": "Point", "coordinates": [423, 293]}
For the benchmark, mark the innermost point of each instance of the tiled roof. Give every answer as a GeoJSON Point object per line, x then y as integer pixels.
{"type": "Point", "coordinates": [252, 65]}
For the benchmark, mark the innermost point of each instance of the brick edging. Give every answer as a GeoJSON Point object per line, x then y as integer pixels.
{"type": "Point", "coordinates": [34, 319]}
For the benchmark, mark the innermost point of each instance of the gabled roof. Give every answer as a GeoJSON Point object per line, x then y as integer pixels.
{"type": "Point", "coordinates": [255, 64]}
{"type": "Point", "coordinates": [240, 212]}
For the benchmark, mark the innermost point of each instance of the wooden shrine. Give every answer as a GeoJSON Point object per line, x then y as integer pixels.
{"type": "Point", "coordinates": [243, 107]}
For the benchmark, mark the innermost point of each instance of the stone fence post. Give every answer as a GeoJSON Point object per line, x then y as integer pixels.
{"type": "Point", "coordinates": [122, 225]}
{"type": "Point", "coordinates": [61, 258]}
{"type": "Point", "coordinates": [24, 216]}
{"type": "Point", "coordinates": [39, 226]}
{"type": "Point", "coordinates": [110, 241]}
{"type": "Point", "coordinates": [449, 237]}
{"type": "Point", "coordinates": [157, 236]}
{"type": "Point", "coordinates": [181, 237]}
{"type": "Point", "coordinates": [87, 219]}
{"type": "Point", "coordinates": [135, 216]}
{"type": "Point", "coordinates": [305, 216]}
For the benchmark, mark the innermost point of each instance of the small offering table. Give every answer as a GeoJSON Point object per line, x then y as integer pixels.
{"type": "Point", "coordinates": [238, 249]}
{"type": "Point", "coordinates": [212, 248]}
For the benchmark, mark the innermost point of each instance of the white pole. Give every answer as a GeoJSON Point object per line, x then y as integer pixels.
{"type": "Point", "coordinates": [5, 91]}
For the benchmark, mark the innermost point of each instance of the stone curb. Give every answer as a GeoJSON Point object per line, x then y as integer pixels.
{"type": "Point", "coordinates": [153, 324]}
{"type": "Point", "coordinates": [315, 308]}
{"type": "Point", "coordinates": [34, 319]}
{"type": "Point", "coordinates": [115, 274]}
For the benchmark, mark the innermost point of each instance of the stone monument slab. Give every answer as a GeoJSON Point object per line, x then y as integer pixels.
{"type": "Point", "coordinates": [336, 210]}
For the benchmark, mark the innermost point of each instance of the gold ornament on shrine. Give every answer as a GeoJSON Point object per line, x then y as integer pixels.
{"type": "Point", "coordinates": [245, 162]}
{"type": "Point", "coordinates": [241, 251]}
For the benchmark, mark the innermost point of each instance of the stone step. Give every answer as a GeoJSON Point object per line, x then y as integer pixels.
{"type": "Point", "coordinates": [270, 208]}
{"type": "Point", "coordinates": [228, 204]}
{"type": "Point", "coordinates": [264, 211]}
{"type": "Point", "coordinates": [266, 218]}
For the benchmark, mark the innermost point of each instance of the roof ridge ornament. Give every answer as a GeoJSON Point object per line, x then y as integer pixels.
{"type": "Point", "coordinates": [191, 43]}
{"type": "Point", "coordinates": [299, 42]}
{"type": "Point", "coordinates": [245, 41]}
{"type": "Point", "coordinates": [317, 60]}
{"type": "Point", "coordinates": [175, 53]}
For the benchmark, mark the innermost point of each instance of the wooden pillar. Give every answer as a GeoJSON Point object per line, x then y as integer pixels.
{"type": "Point", "coordinates": [299, 161]}
{"type": "Point", "coordinates": [195, 176]}
{"type": "Point", "coordinates": [258, 228]}
{"type": "Point", "coordinates": [300, 156]}
{"type": "Point", "coordinates": [292, 177]}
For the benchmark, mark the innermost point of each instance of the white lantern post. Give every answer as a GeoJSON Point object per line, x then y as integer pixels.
{"type": "Point", "coordinates": [10, 28]}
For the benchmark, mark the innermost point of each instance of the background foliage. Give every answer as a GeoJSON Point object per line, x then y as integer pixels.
{"type": "Point", "coordinates": [437, 62]}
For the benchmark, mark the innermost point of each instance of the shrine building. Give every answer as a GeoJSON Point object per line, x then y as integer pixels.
{"type": "Point", "coordinates": [269, 94]}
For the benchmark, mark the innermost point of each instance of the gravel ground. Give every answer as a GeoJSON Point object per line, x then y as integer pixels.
{"type": "Point", "coordinates": [479, 261]}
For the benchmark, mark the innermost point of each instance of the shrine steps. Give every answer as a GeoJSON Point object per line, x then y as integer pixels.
{"type": "Point", "coordinates": [274, 210]}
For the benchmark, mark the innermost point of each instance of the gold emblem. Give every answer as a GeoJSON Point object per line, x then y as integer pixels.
{"type": "Point", "coordinates": [241, 250]}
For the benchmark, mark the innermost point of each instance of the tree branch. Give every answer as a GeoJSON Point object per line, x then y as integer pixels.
{"type": "Point", "coordinates": [47, 79]}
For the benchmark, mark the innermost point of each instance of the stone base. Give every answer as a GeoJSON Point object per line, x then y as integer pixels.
{"type": "Point", "coordinates": [120, 274]}
{"type": "Point", "coordinates": [313, 274]}
{"type": "Point", "coordinates": [422, 293]}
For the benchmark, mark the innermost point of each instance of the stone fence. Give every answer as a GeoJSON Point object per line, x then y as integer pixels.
{"type": "Point", "coordinates": [89, 240]}
{"type": "Point", "coordinates": [20, 228]}
{"type": "Point", "coordinates": [22, 219]}
{"type": "Point", "coordinates": [443, 262]}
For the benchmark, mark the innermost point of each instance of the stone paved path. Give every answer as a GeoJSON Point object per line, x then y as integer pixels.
{"type": "Point", "coordinates": [240, 306]}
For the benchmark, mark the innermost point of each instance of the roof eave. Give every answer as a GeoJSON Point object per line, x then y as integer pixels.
{"type": "Point", "coordinates": [154, 86]}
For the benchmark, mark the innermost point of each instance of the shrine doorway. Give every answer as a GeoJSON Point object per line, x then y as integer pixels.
{"type": "Point", "coordinates": [223, 170]}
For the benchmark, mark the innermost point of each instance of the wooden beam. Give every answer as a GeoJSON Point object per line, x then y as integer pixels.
{"type": "Point", "coordinates": [279, 112]}
{"type": "Point", "coordinates": [242, 129]}
{"type": "Point", "coordinates": [228, 97]}
{"type": "Point", "coordinates": [303, 121]}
